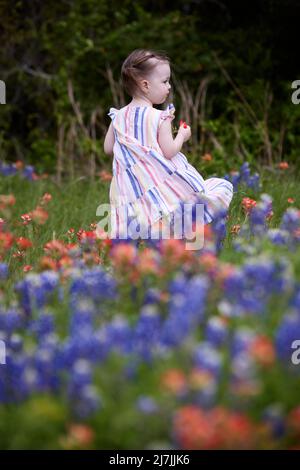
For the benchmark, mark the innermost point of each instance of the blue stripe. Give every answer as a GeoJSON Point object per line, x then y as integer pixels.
{"type": "Point", "coordinates": [142, 126]}
{"type": "Point", "coordinates": [187, 181]}
{"type": "Point", "coordinates": [170, 172]}
{"type": "Point", "coordinates": [136, 118]}
{"type": "Point", "coordinates": [124, 154]}
{"type": "Point", "coordinates": [219, 185]}
{"type": "Point", "coordinates": [132, 182]}
{"type": "Point", "coordinates": [130, 156]}
{"type": "Point", "coordinates": [159, 197]}
{"type": "Point", "coordinates": [153, 197]}
{"type": "Point", "coordinates": [137, 182]}
{"type": "Point", "coordinates": [194, 178]}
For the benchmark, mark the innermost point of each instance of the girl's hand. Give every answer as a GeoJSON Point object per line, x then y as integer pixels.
{"type": "Point", "coordinates": [185, 131]}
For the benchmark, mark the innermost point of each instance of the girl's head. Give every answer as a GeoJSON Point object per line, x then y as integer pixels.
{"type": "Point", "coordinates": [146, 73]}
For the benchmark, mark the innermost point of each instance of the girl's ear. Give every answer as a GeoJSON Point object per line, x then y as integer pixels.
{"type": "Point", "coordinates": [144, 85]}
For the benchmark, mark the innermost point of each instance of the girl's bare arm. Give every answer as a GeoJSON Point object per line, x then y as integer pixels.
{"type": "Point", "coordinates": [109, 141]}
{"type": "Point", "coordinates": [169, 146]}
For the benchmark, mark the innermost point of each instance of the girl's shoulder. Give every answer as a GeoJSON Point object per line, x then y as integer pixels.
{"type": "Point", "coordinates": [158, 113]}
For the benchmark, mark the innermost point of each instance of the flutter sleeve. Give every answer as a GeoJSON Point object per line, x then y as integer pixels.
{"type": "Point", "coordinates": [112, 113]}
{"type": "Point", "coordinates": [168, 113]}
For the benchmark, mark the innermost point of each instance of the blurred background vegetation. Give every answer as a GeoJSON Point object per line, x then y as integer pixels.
{"type": "Point", "coordinates": [232, 68]}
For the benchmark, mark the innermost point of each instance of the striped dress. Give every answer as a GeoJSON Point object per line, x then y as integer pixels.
{"type": "Point", "coordinates": [146, 186]}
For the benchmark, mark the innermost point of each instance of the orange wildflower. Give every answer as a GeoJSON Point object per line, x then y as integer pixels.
{"type": "Point", "coordinates": [262, 350]}
{"type": "Point", "coordinates": [206, 157]}
{"type": "Point", "coordinates": [283, 165]}
{"type": "Point", "coordinates": [23, 243]}
{"type": "Point", "coordinates": [248, 204]}
{"type": "Point", "coordinates": [174, 381]}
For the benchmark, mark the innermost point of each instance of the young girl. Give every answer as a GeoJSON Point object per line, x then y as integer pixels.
{"type": "Point", "coordinates": [151, 177]}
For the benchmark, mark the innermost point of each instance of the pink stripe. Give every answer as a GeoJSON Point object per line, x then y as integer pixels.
{"type": "Point", "coordinates": [177, 194]}
{"type": "Point", "coordinates": [182, 192]}
{"type": "Point", "coordinates": [148, 171]}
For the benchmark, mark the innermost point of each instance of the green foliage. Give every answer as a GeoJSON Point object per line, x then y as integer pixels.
{"type": "Point", "coordinates": [79, 41]}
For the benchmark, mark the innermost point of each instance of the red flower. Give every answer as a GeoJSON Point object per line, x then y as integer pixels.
{"type": "Point", "coordinates": [283, 165]}
{"type": "Point", "coordinates": [46, 198]}
{"type": "Point", "coordinates": [206, 157]}
{"type": "Point", "coordinates": [7, 200]}
{"type": "Point", "coordinates": [23, 243]}
{"type": "Point", "coordinates": [6, 241]}
{"type": "Point", "coordinates": [262, 350]}
{"type": "Point", "coordinates": [27, 268]}
{"type": "Point", "coordinates": [174, 381]}
{"type": "Point", "coordinates": [55, 247]}
{"type": "Point", "coordinates": [19, 164]}
{"type": "Point", "coordinates": [248, 204]}
{"type": "Point", "coordinates": [39, 215]}
{"type": "Point", "coordinates": [26, 218]}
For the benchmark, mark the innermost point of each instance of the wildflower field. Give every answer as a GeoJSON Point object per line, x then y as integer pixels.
{"type": "Point", "coordinates": [110, 344]}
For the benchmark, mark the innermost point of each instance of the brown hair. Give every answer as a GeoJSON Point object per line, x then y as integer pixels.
{"type": "Point", "coordinates": [137, 66]}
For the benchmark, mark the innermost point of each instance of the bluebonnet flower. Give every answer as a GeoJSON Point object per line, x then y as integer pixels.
{"type": "Point", "coordinates": [207, 357]}
{"type": "Point", "coordinates": [43, 325]}
{"type": "Point", "coordinates": [186, 310]}
{"type": "Point", "coordinates": [234, 178]}
{"type": "Point", "coordinates": [219, 227]}
{"type": "Point", "coordinates": [87, 402]}
{"type": "Point", "coordinates": [235, 283]}
{"type": "Point", "coordinates": [152, 295]}
{"type": "Point", "coordinates": [245, 171]}
{"type": "Point", "coordinates": [7, 169]}
{"type": "Point", "coordinates": [241, 340]}
{"type": "Point", "coordinates": [259, 213]}
{"type": "Point", "coordinates": [295, 300]}
{"type": "Point", "coordinates": [176, 325]}
{"type": "Point", "coordinates": [94, 283]}
{"type": "Point", "coordinates": [35, 289]}
{"type": "Point", "coordinates": [254, 182]}
{"type": "Point", "coordinates": [195, 294]}
{"type": "Point", "coordinates": [11, 320]}
{"type": "Point", "coordinates": [20, 377]}
{"type": "Point", "coordinates": [278, 236]}
{"type": "Point", "coordinates": [28, 172]}
{"type": "Point", "coordinates": [45, 367]}
{"type": "Point", "coordinates": [244, 176]}
{"type": "Point", "coordinates": [178, 284]}
{"type": "Point", "coordinates": [3, 271]}
{"type": "Point", "coordinates": [243, 366]}
{"type": "Point", "coordinates": [118, 334]}
{"type": "Point", "coordinates": [290, 220]}
{"type": "Point", "coordinates": [146, 331]}
{"type": "Point", "coordinates": [216, 331]}
{"type": "Point", "coordinates": [15, 343]}
{"type": "Point", "coordinates": [147, 405]}
{"type": "Point", "coordinates": [274, 417]}
{"type": "Point", "coordinates": [84, 312]}
{"type": "Point", "coordinates": [287, 332]}
{"type": "Point", "coordinates": [80, 375]}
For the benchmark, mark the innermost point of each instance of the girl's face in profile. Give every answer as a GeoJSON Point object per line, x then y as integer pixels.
{"type": "Point", "coordinates": [157, 85]}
